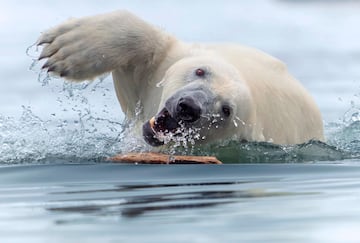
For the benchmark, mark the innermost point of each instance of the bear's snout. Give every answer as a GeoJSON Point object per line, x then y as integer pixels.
{"type": "Point", "coordinates": [188, 110]}
{"type": "Point", "coordinates": [188, 104]}
{"type": "Point", "coordinates": [182, 110]}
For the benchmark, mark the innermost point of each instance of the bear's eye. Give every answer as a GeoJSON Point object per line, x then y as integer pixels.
{"type": "Point", "coordinates": [226, 110]}
{"type": "Point", "coordinates": [200, 72]}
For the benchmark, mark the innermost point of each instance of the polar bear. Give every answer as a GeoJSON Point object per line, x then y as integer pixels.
{"type": "Point", "coordinates": [204, 92]}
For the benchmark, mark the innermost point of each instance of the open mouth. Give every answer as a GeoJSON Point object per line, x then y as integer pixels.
{"type": "Point", "coordinates": [160, 125]}
{"type": "Point", "coordinates": [178, 120]}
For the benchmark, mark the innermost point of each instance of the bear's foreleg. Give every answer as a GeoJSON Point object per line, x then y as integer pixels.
{"type": "Point", "coordinates": [81, 49]}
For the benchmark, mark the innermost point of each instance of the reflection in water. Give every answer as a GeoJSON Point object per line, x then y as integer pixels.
{"type": "Point", "coordinates": [187, 196]}
{"type": "Point", "coordinates": [127, 203]}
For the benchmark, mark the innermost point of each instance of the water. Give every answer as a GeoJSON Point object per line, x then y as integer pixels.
{"type": "Point", "coordinates": [192, 203]}
{"type": "Point", "coordinates": [56, 186]}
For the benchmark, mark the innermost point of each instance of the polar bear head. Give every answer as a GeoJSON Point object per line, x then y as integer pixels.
{"type": "Point", "coordinates": [203, 99]}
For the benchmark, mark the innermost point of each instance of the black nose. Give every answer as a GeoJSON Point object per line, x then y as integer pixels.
{"type": "Point", "coordinates": [188, 109]}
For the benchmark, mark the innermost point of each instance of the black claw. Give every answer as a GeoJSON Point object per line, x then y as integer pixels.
{"type": "Point", "coordinates": [51, 69]}
{"type": "Point", "coordinates": [46, 65]}
{"type": "Point", "coordinates": [64, 73]}
{"type": "Point", "coordinates": [42, 56]}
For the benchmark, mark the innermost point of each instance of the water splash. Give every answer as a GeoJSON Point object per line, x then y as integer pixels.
{"type": "Point", "coordinates": [183, 138]}
{"type": "Point", "coordinates": [353, 113]}
{"type": "Point", "coordinates": [345, 134]}
{"type": "Point", "coordinates": [235, 123]}
{"type": "Point", "coordinates": [87, 138]}
{"type": "Point", "coordinates": [343, 142]}
{"type": "Point", "coordinates": [31, 139]}
{"type": "Point", "coordinates": [76, 130]}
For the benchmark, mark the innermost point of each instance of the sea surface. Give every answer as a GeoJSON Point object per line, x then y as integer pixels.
{"type": "Point", "coordinates": [57, 186]}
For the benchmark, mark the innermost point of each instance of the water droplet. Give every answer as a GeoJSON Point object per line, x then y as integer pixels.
{"type": "Point", "coordinates": [160, 84]}
{"type": "Point", "coordinates": [138, 108]}
{"type": "Point", "coordinates": [235, 123]}
{"type": "Point", "coordinates": [355, 117]}
{"type": "Point", "coordinates": [242, 122]}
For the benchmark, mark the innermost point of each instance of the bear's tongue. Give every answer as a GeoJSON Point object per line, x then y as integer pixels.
{"type": "Point", "coordinates": [164, 122]}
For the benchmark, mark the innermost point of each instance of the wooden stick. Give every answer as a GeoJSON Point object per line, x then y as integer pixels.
{"type": "Point", "coordinates": [158, 158]}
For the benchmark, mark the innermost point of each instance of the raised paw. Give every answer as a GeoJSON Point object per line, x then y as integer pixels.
{"type": "Point", "coordinates": [84, 48]}
{"type": "Point", "coordinates": [75, 50]}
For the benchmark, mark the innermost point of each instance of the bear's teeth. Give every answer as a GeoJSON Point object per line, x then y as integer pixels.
{"type": "Point", "coordinates": [152, 123]}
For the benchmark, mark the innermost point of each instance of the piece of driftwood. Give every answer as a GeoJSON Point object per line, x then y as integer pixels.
{"type": "Point", "coordinates": [158, 158]}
